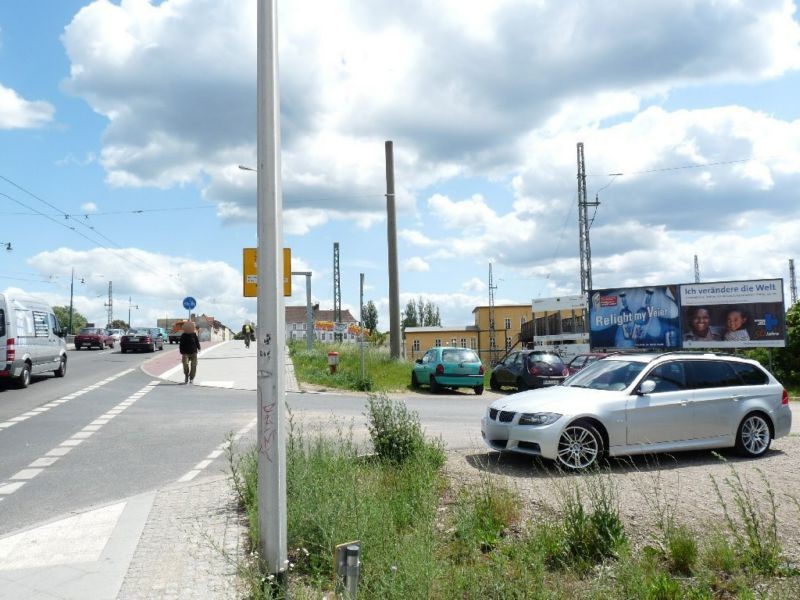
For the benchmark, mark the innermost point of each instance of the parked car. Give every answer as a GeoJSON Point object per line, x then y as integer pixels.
{"type": "Point", "coordinates": [580, 361]}
{"type": "Point", "coordinates": [452, 368]}
{"type": "Point", "coordinates": [31, 339]}
{"type": "Point", "coordinates": [93, 337]}
{"type": "Point", "coordinates": [142, 338]}
{"type": "Point", "coordinates": [644, 403]}
{"type": "Point", "coordinates": [528, 369]}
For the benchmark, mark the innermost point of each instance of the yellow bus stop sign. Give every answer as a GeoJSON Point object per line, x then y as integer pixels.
{"type": "Point", "coordinates": [250, 272]}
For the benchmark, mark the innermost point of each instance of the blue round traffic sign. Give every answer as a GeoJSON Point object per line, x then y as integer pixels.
{"type": "Point", "coordinates": [189, 303]}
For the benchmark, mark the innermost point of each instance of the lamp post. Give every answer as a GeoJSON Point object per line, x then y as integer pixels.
{"type": "Point", "coordinates": [136, 306]}
{"type": "Point", "coordinates": [71, 290]}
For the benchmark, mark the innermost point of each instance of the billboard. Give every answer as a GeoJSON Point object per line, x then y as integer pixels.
{"type": "Point", "coordinates": [646, 318]}
{"type": "Point", "coordinates": [733, 314]}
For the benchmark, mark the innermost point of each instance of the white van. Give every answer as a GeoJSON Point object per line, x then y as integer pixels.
{"type": "Point", "coordinates": [31, 339]}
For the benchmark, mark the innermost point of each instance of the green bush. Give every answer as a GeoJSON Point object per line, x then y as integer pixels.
{"type": "Point", "coordinates": [395, 432]}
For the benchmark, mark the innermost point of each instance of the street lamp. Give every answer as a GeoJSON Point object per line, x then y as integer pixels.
{"type": "Point", "coordinates": [71, 290]}
{"type": "Point", "coordinates": [136, 306]}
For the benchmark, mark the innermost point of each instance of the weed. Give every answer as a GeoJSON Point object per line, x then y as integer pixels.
{"type": "Point", "coordinates": [395, 432]}
{"type": "Point", "coordinates": [681, 550]}
{"type": "Point", "coordinates": [756, 528]}
{"type": "Point", "coordinates": [482, 514]}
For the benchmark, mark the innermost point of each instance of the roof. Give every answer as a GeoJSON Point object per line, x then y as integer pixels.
{"type": "Point", "coordinates": [496, 306]}
{"type": "Point", "coordinates": [441, 329]}
{"type": "Point", "coordinates": [297, 314]}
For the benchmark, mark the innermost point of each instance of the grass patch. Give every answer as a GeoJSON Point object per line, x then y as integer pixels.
{"type": "Point", "coordinates": [423, 536]}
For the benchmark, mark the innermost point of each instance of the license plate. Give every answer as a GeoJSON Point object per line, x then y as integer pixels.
{"type": "Point", "coordinates": [551, 382]}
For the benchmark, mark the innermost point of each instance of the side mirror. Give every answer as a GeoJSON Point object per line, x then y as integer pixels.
{"type": "Point", "coordinates": [646, 387]}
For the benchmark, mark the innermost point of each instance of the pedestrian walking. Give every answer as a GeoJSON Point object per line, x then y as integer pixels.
{"type": "Point", "coordinates": [189, 346]}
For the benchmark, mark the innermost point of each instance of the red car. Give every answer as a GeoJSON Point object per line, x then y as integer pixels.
{"type": "Point", "coordinates": [583, 360]}
{"type": "Point", "coordinates": [93, 337]}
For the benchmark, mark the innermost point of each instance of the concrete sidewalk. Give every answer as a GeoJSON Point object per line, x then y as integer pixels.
{"type": "Point", "coordinates": [181, 541]}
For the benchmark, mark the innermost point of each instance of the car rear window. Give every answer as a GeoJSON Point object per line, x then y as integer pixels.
{"type": "Point", "coordinates": [750, 374]}
{"type": "Point", "coordinates": [89, 330]}
{"type": "Point", "coordinates": [712, 374]}
{"type": "Point", "coordinates": [550, 359]}
{"type": "Point", "coordinates": [459, 355]}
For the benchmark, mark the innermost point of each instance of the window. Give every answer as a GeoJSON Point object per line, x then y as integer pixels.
{"type": "Point", "coordinates": [473, 344]}
{"type": "Point", "coordinates": [40, 328]}
{"type": "Point", "coordinates": [453, 342]}
{"type": "Point", "coordinates": [712, 374]}
{"type": "Point", "coordinates": [507, 323]}
{"type": "Point", "coordinates": [463, 342]}
{"type": "Point", "coordinates": [415, 346]}
{"type": "Point", "coordinates": [750, 374]}
{"type": "Point", "coordinates": [492, 343]}
{"type": "Point", "coordinates": [55, 326]}
{"type": "Point", "coordinates": [567, 325]}
{"type": "Point", "coordinates": [669, 377]}
{"type": "Point", "coordinates": [553, 324]}
{"type": "Point", "coordinates": [508, 343]}
{"type": "Point", "coordinates": [491, 323]}
{"type": "Point", "coordinates": [294, 328]}
{"type": "Point", "coordinates": [437, 342]}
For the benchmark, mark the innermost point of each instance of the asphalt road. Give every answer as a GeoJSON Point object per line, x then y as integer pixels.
{"type": "Point", "coordinates": [105, 432]}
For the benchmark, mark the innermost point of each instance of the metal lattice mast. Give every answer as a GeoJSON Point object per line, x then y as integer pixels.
{"type": "Point", "coordinates": [337, 288]}
{"type": "Point", "coordinates": [583, 224]}
{"type": "Point", "coordinates": [492, 346]}
{"type": "Point", "coordinates": [792, 282]}
{"type": "Point", "coordinates": [696, 270]}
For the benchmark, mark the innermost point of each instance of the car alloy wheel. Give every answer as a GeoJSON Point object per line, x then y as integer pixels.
{"type": "Point", "coordinates": [753, 438]}
{"type": "Point", "coordinates": [579, 446]}
{"type": "Point", "coordinates": [62, 368]}
{"type": "Point", "coordinates": [25, 378]}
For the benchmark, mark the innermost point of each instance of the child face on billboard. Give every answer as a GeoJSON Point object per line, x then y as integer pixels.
{"type": "Point", "coordinates": [735, 320]}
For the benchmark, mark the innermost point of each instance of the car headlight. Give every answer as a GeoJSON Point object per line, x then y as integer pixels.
{"type": "Point", "coordinates": [538, 418]}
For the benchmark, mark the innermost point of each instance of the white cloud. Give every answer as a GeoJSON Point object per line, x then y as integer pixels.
{"type": "Point", "coordinates": [18, 113]}
{"type": "Point", "coordinates": [89, 207]}
{"type": "Point", "coordinates": [474, 285]}
{"type": "Point", "coordinates": [416, 263]}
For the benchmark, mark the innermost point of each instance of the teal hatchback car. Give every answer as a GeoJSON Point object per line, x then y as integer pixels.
{"type": "Point", "coordinates": [453, 368]}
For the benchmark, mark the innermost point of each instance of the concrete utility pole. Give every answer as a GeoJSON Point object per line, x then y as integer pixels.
{"type": "Point", "coordinates": [309, 310]}
{"type": "Point", "coordinates": [391, 235]}
{"type": "Point", "coordinates": [270, 343]}
{"type": "Point", "coordinates": [792, 282]}
{"type": "Point", "coordinates": [696, 270]}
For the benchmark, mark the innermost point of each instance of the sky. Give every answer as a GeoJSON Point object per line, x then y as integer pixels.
{"type": "Point", "coordinates": [123, 125]}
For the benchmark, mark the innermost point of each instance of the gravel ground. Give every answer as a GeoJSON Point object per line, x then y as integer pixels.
{"type": "Point", "coordinates": [646, 486]}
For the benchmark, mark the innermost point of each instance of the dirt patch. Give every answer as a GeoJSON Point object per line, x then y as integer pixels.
{"type": "Point", "coordinates": [648, 487]}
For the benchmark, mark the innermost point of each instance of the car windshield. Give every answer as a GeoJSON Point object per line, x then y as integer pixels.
{"type": "Point", "coordinates": [607, 375]}
{"type": "Point", "coordinates": [459, 355]}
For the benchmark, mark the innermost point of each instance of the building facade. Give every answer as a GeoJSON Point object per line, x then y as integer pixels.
{"type": "Point", "coordinates": [325, 327]}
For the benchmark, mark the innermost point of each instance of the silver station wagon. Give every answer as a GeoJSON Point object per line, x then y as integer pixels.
{"type": "Point", "coordinates": [644, 403]}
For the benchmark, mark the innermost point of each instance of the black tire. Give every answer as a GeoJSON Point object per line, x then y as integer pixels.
{"type": "Point", "coordinates": [123, 350]}
{"type": "Point", "coordinates": [493, 383]}
{"type": "Point", "coordinates": [435, 387]}
{"type": "Point", "coordinates": [754, 436]}
{"type": "Point", "coordinates": [414, 382]}
{"type": "Point", "coordinates": [521, 385]}
{"type": "Point", "coordinates": [78, 346]}
{"type": "Point", "coordinates": [62, 369]}
{"type": "Point", "coordinates": [580, 446]}
{"type": "Point", "coordinates": [24, 380]}
{"type": "Point", "coordinates": [478, 390]}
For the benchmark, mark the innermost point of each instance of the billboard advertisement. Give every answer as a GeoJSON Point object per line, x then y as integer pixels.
{"type": "Point", "coordinates": [646, 318]}
{"type": "Point", "coordinates": [733, 314]}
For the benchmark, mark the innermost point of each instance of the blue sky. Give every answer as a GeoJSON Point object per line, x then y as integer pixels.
{"type": "Point", "coordinates": [131, 117]}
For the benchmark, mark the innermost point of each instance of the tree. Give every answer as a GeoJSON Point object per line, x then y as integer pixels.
{"type": "Point", "coordinates": [421, 314]}
{"type": "Point", "coordinates": [410, 315]}
{"type": "Point", "coordinates": [370, 316]}
{"type": "Point", "coordinates": [119, 324]}
{"type": "Point", "coordinates": [62, 314]}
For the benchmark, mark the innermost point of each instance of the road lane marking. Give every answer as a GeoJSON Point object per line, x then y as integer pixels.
{"type": "Point", "coordinates": [215, 453]}
{"type": "Point", "coordinates": [39, 465]}
{"type": "Point", "coordinates": [45, 407]}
